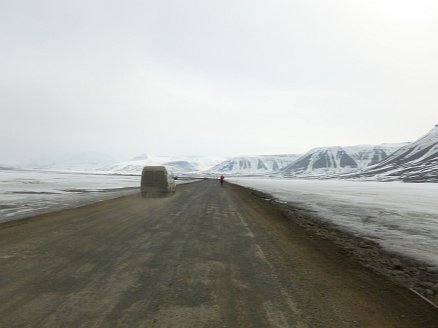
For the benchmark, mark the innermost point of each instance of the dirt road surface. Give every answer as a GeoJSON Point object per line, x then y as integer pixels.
{"type": "Point", "coordinates": [205, 257]}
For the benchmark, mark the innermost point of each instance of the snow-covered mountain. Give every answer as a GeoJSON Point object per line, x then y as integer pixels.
{"type": "Point", "coordinates": [102, 163]}
{"type": "Point", "coordinates": [177, 164]}
{"type": "Point", "coordinates": [415, 162]}
{"type": "Point", "coordinates": [81, 161]}
{"type": "Point", "coordinates": [253, 165]}
{"type": "Point", "coordinates": [329, 161]}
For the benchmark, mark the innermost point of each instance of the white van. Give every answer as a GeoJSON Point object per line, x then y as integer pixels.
{"type": "Point", "coordinates": [156, 181]}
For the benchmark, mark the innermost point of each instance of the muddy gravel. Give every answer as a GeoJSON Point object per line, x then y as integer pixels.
{"type": "Point", "coordinates": [412, 274]}
{"type": "Point", "coordinates": [205, 257]}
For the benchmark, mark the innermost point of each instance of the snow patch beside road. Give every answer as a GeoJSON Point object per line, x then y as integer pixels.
{"type": "Point", "coordinates": [401, 217]}
{"type": "Point", "coordinates": [27, 193]}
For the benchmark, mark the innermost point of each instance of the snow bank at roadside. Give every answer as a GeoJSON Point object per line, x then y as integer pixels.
{"type": "Point", "coordinates": [402, 218]}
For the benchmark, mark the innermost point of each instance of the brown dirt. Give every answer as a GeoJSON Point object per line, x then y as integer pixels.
{"type": "Point", "coordinates": [205, 257]}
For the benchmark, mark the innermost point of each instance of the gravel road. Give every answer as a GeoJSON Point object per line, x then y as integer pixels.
{"type": "Point", "coordinates": [205, 257]}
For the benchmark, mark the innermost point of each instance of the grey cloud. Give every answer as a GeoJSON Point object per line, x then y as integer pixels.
{"type": "Point", "coordinates": [227, 77]}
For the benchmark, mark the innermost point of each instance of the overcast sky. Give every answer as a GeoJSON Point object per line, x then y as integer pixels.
{"type": "Point", "coordinates": [216, 78]}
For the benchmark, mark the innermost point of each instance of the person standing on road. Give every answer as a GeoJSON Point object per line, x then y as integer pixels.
{"type": "Point", "coordinates": [221, 179]}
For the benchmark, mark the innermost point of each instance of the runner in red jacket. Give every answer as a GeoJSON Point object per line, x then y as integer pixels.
{"type": "Point", "coordinates": [221, 179]}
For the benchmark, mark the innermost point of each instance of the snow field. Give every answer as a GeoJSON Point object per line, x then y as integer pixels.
{"type": "Point", "coordinates": [401, 217]}
{"type": "Point", "coordinates": [27, 193]}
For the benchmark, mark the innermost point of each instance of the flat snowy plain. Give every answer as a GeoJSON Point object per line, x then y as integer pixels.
{"type": "Point", "coordinates": [26, 193]}
{"type": "Point", "coordinates": [401, 217]}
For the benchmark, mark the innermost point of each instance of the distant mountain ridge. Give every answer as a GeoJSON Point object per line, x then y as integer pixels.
{"type": "Point", "coordinates": [253, 165]}
{"type": "Point", "coordinates": [411, 162]}
{"type": "Point", "coordinates": [177, 164]}
{"type": "Point", "coordinates": [414, 162]}
{"type": "Point", "coordinates": [330, 161]}
{"type": "Point", "coordinates": [79, 161]}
